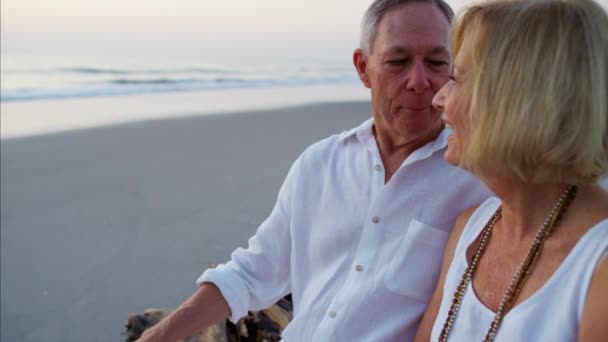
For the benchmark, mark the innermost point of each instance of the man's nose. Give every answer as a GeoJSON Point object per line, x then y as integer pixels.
{"type": "Point", "coordinates": [418, 80]}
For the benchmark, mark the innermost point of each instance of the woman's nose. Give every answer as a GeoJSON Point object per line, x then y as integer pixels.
{"type": "Point", "coordinates": [439, 98]}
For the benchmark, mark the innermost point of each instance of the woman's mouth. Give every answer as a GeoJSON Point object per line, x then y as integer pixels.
{"type": "Point", "coordinates": [451, 127]}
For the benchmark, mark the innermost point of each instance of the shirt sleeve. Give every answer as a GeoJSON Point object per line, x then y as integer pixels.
{"type": "Point", "coordinates": [256, 277]}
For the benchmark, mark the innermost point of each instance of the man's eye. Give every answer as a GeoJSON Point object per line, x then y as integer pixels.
{"type": "Point", "coordinates": [398, 61]}
{"type": "Point", "coordinates": [438, 63]}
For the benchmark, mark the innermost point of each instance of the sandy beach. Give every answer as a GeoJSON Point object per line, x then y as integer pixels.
{"type": "Point", "coordinates": [100, 222]}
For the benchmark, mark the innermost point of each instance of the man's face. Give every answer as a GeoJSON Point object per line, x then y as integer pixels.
{"type": "Point", "coordinates": [409, 63]}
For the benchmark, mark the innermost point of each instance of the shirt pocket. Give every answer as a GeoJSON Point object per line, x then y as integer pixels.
{"type": "Point", "coordinates": [415, 266]}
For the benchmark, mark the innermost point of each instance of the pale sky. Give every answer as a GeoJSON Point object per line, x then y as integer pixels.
{"type": "Point", "coordinates": [218, 28]}
{"type": "Point", "coordinates": [325, 28]}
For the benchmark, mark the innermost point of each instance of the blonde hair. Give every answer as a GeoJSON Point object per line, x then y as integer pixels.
{"type": "Point", "coordinates": [539, 97]}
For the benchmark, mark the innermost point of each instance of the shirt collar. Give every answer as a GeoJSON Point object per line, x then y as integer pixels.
{"type": "Point", "coordinates": [364, 132]}
{"type": "Point", "coordinates": [439, 144]}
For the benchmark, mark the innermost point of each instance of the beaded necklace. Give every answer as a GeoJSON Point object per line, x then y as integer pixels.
{"type": "Point", "coordinates": [520, 276]}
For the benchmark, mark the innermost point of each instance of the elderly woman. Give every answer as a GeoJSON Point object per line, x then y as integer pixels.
{"type": "Point", "coordinates": [528, 104]}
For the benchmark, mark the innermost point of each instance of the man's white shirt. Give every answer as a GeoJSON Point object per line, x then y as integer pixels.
{"type": "Point", "coordinates": [360, 257]}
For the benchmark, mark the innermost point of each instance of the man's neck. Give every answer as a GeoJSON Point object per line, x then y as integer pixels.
{"type": "Point", "coordinates": [393, 151]}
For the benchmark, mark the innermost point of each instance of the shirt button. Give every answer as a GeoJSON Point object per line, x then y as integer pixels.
{"type": "Point", "coordinates": [332, 314]}
{"type": "Point", "coordinates": [359, 268]}
{"type": "Point", "coordinates": [375, 219]}
{"type": "Point", "coordinates": [377, 167]}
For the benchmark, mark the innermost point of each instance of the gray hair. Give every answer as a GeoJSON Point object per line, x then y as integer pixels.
{"type": "Point", "coordinates": [371, 18]}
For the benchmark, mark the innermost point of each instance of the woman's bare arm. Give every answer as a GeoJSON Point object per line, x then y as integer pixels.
{"type": "Point", "coordinates": [593, 325]}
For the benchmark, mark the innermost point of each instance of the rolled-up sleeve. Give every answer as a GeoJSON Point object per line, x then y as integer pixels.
{"type": "Point", "coordinates": [258, 276]}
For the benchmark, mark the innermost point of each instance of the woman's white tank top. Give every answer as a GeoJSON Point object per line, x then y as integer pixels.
{"type": "Point", "coordinates": [552, 313]}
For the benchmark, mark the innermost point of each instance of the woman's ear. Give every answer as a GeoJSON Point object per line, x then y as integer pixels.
{"type": "Point", "coordinates": [360, 62]}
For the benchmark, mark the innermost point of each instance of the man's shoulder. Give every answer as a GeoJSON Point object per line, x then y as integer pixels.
{"type": "Point", "coordinates": [322, 149]}
{"type": "Point", "coordinates": [330, 145]}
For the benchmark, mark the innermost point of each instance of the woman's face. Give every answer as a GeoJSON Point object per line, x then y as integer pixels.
{"type": "Point", "coordinates": [454, 100]}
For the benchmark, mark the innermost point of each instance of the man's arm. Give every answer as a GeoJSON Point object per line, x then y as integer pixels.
{"type": "Point", "coordinates": [205, 307]}
{"type": "Point", "coordinates": [428, 320]}
{"type": "Point", "coordinates": [593, 325]}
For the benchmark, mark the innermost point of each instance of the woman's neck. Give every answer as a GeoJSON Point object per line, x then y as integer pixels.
{"type": "Point", "coordinates": [524, 206]}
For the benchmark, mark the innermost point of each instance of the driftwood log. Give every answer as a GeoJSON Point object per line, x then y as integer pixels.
{"type": "Point", "coordinates": [258, 326]}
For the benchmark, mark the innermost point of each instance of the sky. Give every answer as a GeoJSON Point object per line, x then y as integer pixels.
{"type": "Point", "coordinates": [312, 28]}
{"type": "Point", "coordinates": [209, 28]}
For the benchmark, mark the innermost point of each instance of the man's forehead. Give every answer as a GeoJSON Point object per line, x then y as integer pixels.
{"type": "Point", "coordinates": [417, 26]}
{"type": "Point", "coordinates": [429, 50]}
{"type": "Point", "coordinates": [426, 12]}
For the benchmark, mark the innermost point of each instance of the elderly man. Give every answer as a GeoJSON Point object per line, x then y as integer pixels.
{"type": "Point", "coordinates": [358, 230]}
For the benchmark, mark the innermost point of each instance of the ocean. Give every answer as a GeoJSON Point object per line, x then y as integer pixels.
{"type": "Point", "coordinates": [32, 78]}
{"type": "Point", "coordinates": [49, 94]}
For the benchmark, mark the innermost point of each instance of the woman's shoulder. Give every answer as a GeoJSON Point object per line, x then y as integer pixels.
{"type": "Point", "coordinates": [590, 214]}
{"type": "Point", "coordinates": [474, 219]}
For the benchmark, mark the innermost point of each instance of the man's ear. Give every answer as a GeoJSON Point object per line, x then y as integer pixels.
{"type": "Point", "coordinates": [360, 61]}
